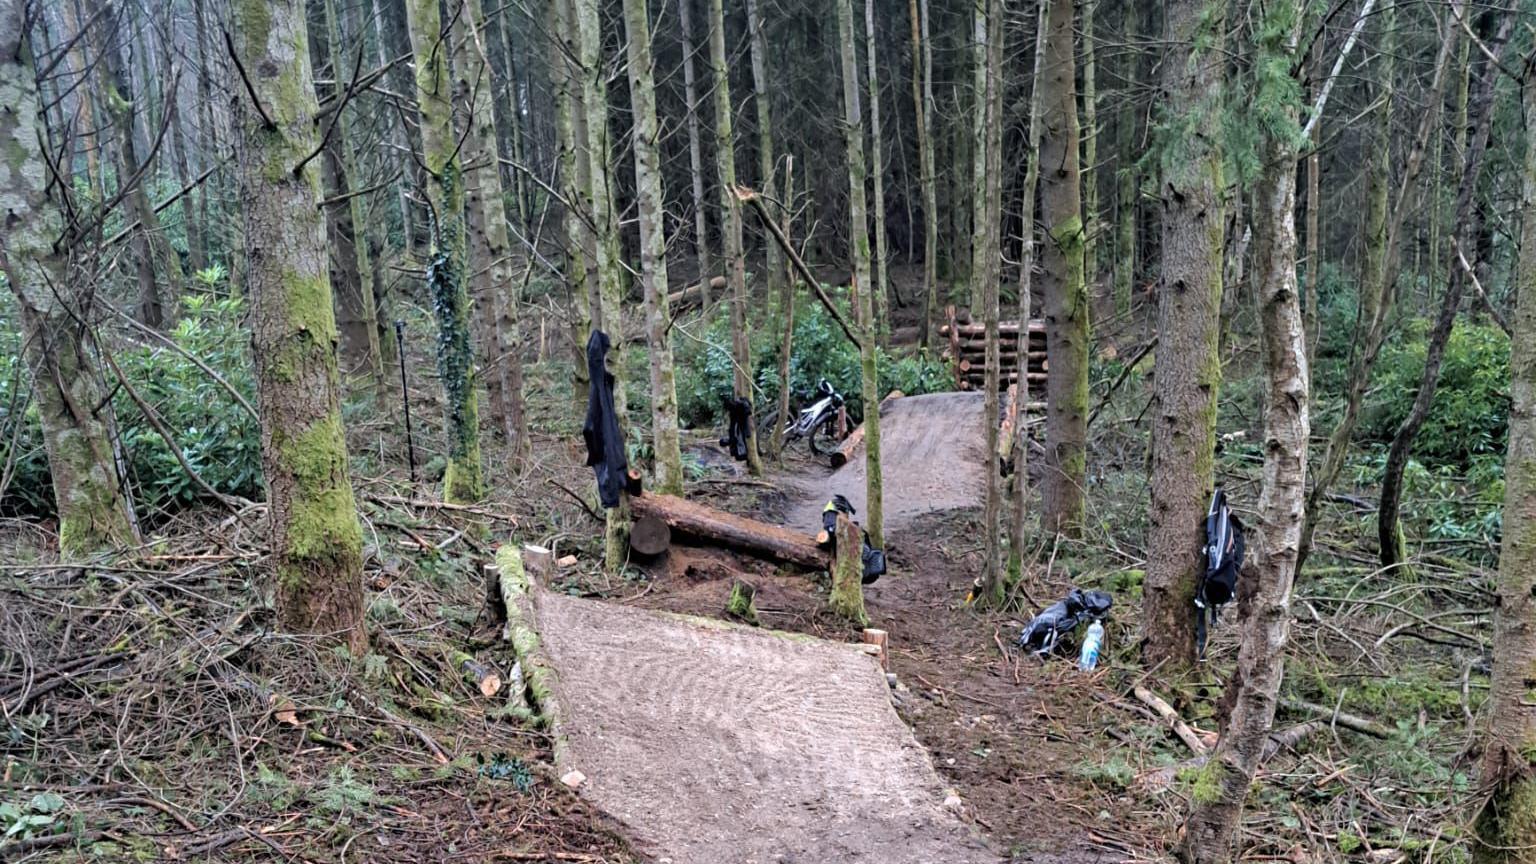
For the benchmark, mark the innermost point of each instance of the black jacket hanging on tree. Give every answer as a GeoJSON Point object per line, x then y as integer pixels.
{"type": "Point", "coordinates": [740, 413]}
{"type": "Point", "coordinates": [605, 443]}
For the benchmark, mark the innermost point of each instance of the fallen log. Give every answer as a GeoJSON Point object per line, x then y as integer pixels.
{"type": "Point", "coordinates": [650, 536]}
{"type": "Point", "coordinates": [727, 529]}
{"type": "Point", "coordinates": [1003, 328]}
{"type": "Point", "coordinates": [855, 438]}
{"type": "Point", "coordinates": [521, 631]}
{"type": "Point", "coordinates": [1352, 722]}
{"type": "Point", "coordinates": [1174, 721]}
{"type": "Point", "coordinates": [690, 296]}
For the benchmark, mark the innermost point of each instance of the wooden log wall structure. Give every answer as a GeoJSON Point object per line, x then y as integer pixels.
{"type": "Point", "coordinates": [967, 352]}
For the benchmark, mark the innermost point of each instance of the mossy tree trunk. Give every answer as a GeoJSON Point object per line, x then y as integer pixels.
{"type": "Point", "coordinates": [787, 311]}
{"type": "Point", "coordinates": [881, 284]}
{"type": "Point", "coordinates": [1225, 781]}
{"type": "Point", "coordinates": [1187, 383]}
{"type": "Point", "coordinates": [490, 252]}
{"type": "Point", "coordinates": [93, 513]}
{"type": "Point", "coordinates": [1090, 138]}
{"type": "Point", "coordinates": [156, 260]}
{"type": "Point", "coordinates": [695, 155]}
{"type": "Point", "coordinates": [1018, 526]}
{"type": "Point", "coordinates": [352, 269]}
{"type": "Point", "coordinates": [605, 229]}
{"type": "Point", "coordinates": [922, 106]}
{"type": "Point", "coordinates": [316, 538]}
{"type": "Point", "coordinates": [1126, 179]}
{"type": "Point", "coordinates": [573, 170]}
{"type": "Point", "coordinates": [1506, 823]}
{"type": "Point", "coordinates": [730, 213]}
{"type": "Point", "coordinates": [1066, 294]}
{"type": "Point", "coordinates": [853, 133]}
{"type": "Point", "coordinates": [447, 274]}
{"type": "Point", "coordinates": [653, 249]}
{"type": "Point", "coordinates": [986, 255]}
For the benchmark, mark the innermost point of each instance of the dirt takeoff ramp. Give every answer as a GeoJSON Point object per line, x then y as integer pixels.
{"type": "Point", "coordinates": [715, 743]}
{"type": "Point", "coordinates": [932, 455]}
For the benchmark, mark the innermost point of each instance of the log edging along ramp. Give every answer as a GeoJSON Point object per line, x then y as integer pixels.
{"type": "Point", "coordinates": [714, 742]}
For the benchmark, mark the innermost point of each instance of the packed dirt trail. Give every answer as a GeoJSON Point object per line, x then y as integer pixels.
{"type": "Point", "coordinates": [932, 452]}
{"type": "Point", "coordinates": [714, 742]}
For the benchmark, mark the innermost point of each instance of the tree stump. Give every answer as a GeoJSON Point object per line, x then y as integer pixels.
{"type": "Point", "coordinates": [485, 678]}
{"type": "Point", "coordinates": [650, 536]}
{"type": "Point", "coordinates": [880, 639]}
{"type": "Point", "coordinates": [847, 598]}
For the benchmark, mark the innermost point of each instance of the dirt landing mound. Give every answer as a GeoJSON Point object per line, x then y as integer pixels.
{"type": "Point", "coordinates": [715, 743]}
{"type": "Point", "coordinates": [933, 456]}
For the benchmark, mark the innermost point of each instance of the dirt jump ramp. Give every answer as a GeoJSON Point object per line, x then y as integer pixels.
{"type": "Point", "coordinates": [932, 455]}
{"type": "Point", "coordinates": [715, 743]}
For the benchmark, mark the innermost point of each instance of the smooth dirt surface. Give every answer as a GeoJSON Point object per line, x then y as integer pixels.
{"type": "Point", "coordinates": [932, 454]}
{"type": "Point", "coordinates": [717, 743]}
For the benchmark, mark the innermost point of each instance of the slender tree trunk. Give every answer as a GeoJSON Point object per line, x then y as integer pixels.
{"type": "Point", "coordinates": [1388, 528]}
{"type": "Point", "coordinates": [922, 107]}
{"type": "Point", "coordinates": [1505, 825]}
{"type": "Point", "coordinates": [609, 279]}
{"type": "Point", "coordinates": [695, 155]}
{"type": "Point", "coordinates": [351, 265]}
{"type": "Point", "coordinates": [1126, 185]}
{"type": "Point", "coordinates": [774, 258]}
{"type": "Point", "coordinates": [399, 136]}
{"type": "Point", "coordinates": [374, 228]}
{"type": "Point", "coordinates": [1188, 379]}
{"type": "Point", "coordinates": [89, 142]}
{"type": "Point", "coordinates": [573, 170]}
{"type": "Point", "coordinates": [787, 305]}
{"type": "Point", "coordinates": [1224, 782]}
{"type": "Point", "coordinates": [1090, 151]}
{"type": "Point", "coordinates": [881, 284]}
{"type": "Point", "coordinates": [1066, 295]}
{"type": "Point", "coordinates": [490, 252]}
{"type": "Point", "coordinates": [853, 134]}
{"type": "Point", "coordinates": [197, 250]}
{"type": "Point", "coordinates": [316, 538]}
{"type": "Point", "coordinates": [497, 40]}
{"type": "Point", "coordinates": [1018, 531]}
{"type": "Point", "coordinates": [156, 259]}
{"type": "Point", "coordinates": [1379, 302]}
{"type": "Point", "coordinates": [730, 209]}
{"type": "Point", "coordinates": [93, 513]}
{"type": "Point", "coordinates": [986, 260]}
{"type": "Point", "coordinates": [447, 275]}
{"type": "Point", "coordinates": [1314, 209]}
{"type": "Point", "coordinates": [653, 249]}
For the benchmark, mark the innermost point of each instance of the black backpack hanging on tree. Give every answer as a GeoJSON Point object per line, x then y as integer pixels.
{"type": "Point", "coordinates": [1222, 559]}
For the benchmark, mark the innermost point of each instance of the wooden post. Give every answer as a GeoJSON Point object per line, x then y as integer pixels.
{"type": "Point", "coordinates": [847, 597]}
{"type": "Point", "coordinates": [538, 561]}
{"type": "Point", "coordinates": [881, 640]}
{"type": "Point", "coordinates": [954, 341]}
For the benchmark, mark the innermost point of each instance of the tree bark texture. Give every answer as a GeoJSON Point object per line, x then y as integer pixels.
{"type": "Point", "coordinates": [695, 151]}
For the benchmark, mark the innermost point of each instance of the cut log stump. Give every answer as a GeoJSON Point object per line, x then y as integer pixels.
{"type": "Point", "coordinates": [485, 678]}
{"type": "Point", "coordinates": [850, 445]}
{"type": "Point", "coordinates": [881, 640]}
{"type": "Point", "coordinates": [847, 598]}
{"type": "Point", "coordinates": [650, 536]}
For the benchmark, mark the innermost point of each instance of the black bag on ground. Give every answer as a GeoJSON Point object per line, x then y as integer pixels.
{"type": "Point", "coordinates": [1045, 630]}
{"type": "Point", "coordinates": [1223, 546]}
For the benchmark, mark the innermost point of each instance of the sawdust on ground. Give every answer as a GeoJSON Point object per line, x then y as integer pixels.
{"type": "Point", "coordinates": [718, 743]}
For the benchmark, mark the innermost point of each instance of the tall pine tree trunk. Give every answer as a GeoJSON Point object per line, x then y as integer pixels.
{"type": "Point", "coordinates": [881, 284]}
{"type": "Point", "coordinates": [1188, 378]}
{"type": "Point", "coordinates": [1506, 824]}
{"type": "Point", "coordinates": [1066, 294]}
{"type": "Point", "coordinates": [1090, 150]}
{"type": "Point", "coordinates": [985, 254]}
{"type": "Point", "coordinates": [730, 211]}
{"type": "Point", "coordinates": [1223, 784]}
{"type": "Point", "coordinates": [853, 135]}
{"type": "Point", "coordinates": [922, 107]}
{"type": "Point", "coordinates": [653, 249]}
{"type": "Point", "coordinates": [695, 154]}
{"type": "Point", "coordinates": [447, 274]}
{"type": "Point", "coordinates": [316, 538]}
{"type": "Point", "coordinates": [490, 252]}
{"type": "Point", "coordinates": [573, 170]}
{"type": "Point", "coordinates": [774, 257]}
{"type": "Point", "coordinates": [93, 513]}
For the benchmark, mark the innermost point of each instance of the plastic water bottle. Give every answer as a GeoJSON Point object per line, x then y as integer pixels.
{"type": "Point", "coordinates": [1092, 644]}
